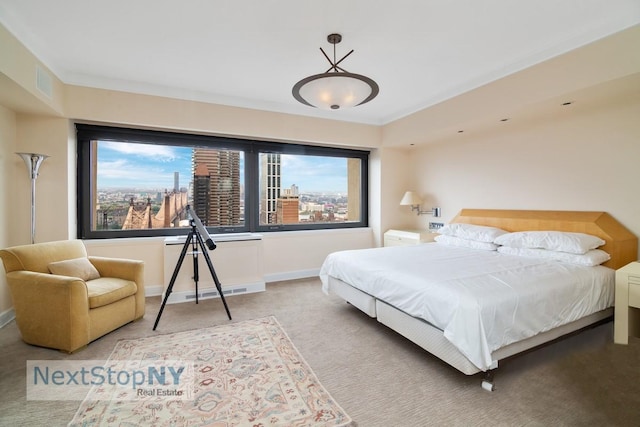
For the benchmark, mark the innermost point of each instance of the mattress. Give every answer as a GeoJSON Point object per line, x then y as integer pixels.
{"type": "Point", "coordinates": [481, 300]}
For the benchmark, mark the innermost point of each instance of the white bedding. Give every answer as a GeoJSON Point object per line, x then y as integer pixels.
{"type": "Point", "coordinates": [482, 300]}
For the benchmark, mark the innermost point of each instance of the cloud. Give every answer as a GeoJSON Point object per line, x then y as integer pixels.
{"type": "Point", "coordinates": [147, 173]}
{"type": "Point", "coordinates": [151, 151]}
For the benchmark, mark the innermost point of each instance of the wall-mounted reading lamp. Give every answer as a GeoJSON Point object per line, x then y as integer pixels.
{"type": "Point", "coordinates": [410, 199]}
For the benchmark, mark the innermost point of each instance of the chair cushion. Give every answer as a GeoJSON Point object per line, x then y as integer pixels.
{"type": "Point", "coordinates": [77, 267]}
{"type": "Point", "coordinates": [107, 290]}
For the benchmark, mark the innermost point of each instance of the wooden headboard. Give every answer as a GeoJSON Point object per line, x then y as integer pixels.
{"type": "Point", "coordinates": [621, 244]}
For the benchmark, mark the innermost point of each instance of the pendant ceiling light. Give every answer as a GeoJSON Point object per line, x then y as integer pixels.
{"type": "Point", "coordinates": [336, 88]}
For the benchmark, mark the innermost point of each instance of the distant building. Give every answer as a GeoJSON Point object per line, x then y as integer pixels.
{"type": "Point", "coordinates": [269, 187]}
{"type": "Point", "coordinates": [287, 209]}
{"type": "Point", "coordinates": [201, 184]}
{"type": "Point", "coordinates": [216, 186]}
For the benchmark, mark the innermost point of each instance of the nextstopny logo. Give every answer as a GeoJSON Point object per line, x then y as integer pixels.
{"type": "Point", "coordinates": [113, 379]}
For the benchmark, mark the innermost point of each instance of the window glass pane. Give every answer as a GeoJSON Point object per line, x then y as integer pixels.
{"type": "Point", "coordinates": [306, 189]}
{"type": "Point", "coordinates": [148, 186]}
{"type": "Point", "coordinates": [137, 183]}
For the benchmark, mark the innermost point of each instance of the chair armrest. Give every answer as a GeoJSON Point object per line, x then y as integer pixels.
{"type": "Point", "coordinates": [51, 310]}
{"type": "Point", "coordinates": [128, 269]}
{"type": "Point", "coordinates": [53, 289]}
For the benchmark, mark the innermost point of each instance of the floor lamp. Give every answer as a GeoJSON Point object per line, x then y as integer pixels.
{"type": "Point", "coordinates": [33, 162]}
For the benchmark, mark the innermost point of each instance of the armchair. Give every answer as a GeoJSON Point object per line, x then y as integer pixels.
{"type": "Point", "coordinates": [64, 299]}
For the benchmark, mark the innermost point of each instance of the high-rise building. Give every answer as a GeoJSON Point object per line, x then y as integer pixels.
{"type": "Point", "coordinates": [216, 186]}
{"type": "Point", "coordinates": [201, 183]}
{"type": "Point", "coordinates": [269, 187]}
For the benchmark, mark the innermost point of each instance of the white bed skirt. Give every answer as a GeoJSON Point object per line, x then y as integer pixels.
{"type": "Point", "coordinates": [432, 339]}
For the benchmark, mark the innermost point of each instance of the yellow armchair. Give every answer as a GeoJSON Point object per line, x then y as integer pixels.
{"type": "Point", "coordinates": [64, 299]}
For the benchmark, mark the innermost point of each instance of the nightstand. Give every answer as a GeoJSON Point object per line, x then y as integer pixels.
{"type": "Point", "coordinates": [407, 237]}
{"type": "Point", "coordinates": [627, 310]}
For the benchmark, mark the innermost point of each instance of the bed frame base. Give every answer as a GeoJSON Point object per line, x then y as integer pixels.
{"type": "Point", "coordinates": [432, 339]}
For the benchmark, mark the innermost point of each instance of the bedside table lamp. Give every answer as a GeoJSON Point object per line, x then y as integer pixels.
{"type": "Point", "coordinates": [411, 199]}
{"type": "Point", "coordinates": [33, 162]}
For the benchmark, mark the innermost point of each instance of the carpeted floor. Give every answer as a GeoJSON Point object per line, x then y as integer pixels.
{"type": "Point", "coordinates": [378, 377]}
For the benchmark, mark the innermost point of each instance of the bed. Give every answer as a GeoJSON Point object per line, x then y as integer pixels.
{"type": "Point", "coordinates": [473, 307]}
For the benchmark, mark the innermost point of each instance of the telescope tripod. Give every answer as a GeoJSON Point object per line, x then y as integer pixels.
{"type": "Point", "coordinates": [194, 239]}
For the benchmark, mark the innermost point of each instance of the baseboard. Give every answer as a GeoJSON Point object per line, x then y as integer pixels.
{"type": "Point", "coordinates": [6, 317]}
{"type": "Point", "coordinates": [208, 293]}
{"type": "Point", "coordinates": [292, 275]}
{"type": "Point", "coordinates": [153, 291]}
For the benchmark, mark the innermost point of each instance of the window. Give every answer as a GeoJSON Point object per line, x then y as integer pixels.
{"type": "Point", "coordinates": [135, 182]}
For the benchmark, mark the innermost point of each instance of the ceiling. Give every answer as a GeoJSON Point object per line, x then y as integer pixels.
{"type": "Point", "coordinates": [251, 53]}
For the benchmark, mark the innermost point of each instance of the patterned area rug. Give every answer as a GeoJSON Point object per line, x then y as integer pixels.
{"type": "Point", "coordinates": [241, 374]}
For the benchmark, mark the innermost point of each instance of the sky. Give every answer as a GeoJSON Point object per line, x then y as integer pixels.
{"type": "Point", "coordinates": [152, 166]}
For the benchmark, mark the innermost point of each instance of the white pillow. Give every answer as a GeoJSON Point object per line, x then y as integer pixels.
{"type": "Point", "coordinates": [480, 233]}
{"type": "Point", "coordinates": [591, 258]}
{"type": "Point", "coordinates": [576, 243]}
{"type": "Point", "coordinates": [473, 244]}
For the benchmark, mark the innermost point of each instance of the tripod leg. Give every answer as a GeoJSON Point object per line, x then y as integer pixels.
{"type": "Point", "coordinates": [196, 276]}
{"type": "Point", "coordinates": [213, 274]}
{"type": "Point", "coordinates": [173, 277]}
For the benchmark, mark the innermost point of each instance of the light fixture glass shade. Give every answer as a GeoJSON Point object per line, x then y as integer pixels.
{"type": "Point", "coordinates": [335, 90]}
{"type": "Point", "coordinates": [33, 162]}
{"type": "Point", "coordinates": [410, 199]}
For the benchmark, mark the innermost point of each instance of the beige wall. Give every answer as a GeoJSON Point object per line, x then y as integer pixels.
{"type": "Point", "coordinates": [50, 136]}
{"type": "Point", "coordinates": [298, 254]}
{"type": "Point", "coordinates": [582, 157]}
{"type": "Point", "coordinates": [7, 191]}
{"type": "Point", "coordinates": [18, 76]}
{"type": "Point", "coordinates": [112, 107]}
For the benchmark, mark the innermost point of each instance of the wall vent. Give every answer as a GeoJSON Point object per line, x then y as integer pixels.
{"type": "Point", "coordinates": [44, 82]}
{"type": "Point", "coordinates": [209, 294]}
{"type": "Point", "coordinates": [184, 296]}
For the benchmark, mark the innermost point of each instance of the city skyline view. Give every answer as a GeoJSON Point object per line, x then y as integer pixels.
{"type": "Point", "coordinates": [152, 167]}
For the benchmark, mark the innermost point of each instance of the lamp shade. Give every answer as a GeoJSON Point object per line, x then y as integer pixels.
{"type": "Point", "coordinates": [335, 90]}
{"type": "Point", "coordinates": [410, 199]}
{"type": "Point", "coordinates": [33, 162]}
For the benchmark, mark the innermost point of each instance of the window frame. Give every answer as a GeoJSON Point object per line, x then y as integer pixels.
{"type": "Point", "coordinates": [252, 149]}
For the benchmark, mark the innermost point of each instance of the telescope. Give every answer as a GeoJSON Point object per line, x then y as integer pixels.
{"type": "Point", "coordinates": [196, 238]}
{"type": "Point", "coordinates": [201, 229]}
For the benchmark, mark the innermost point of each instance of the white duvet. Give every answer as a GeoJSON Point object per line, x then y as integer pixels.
{"type": "Point", "coordinates": [482, 300]}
